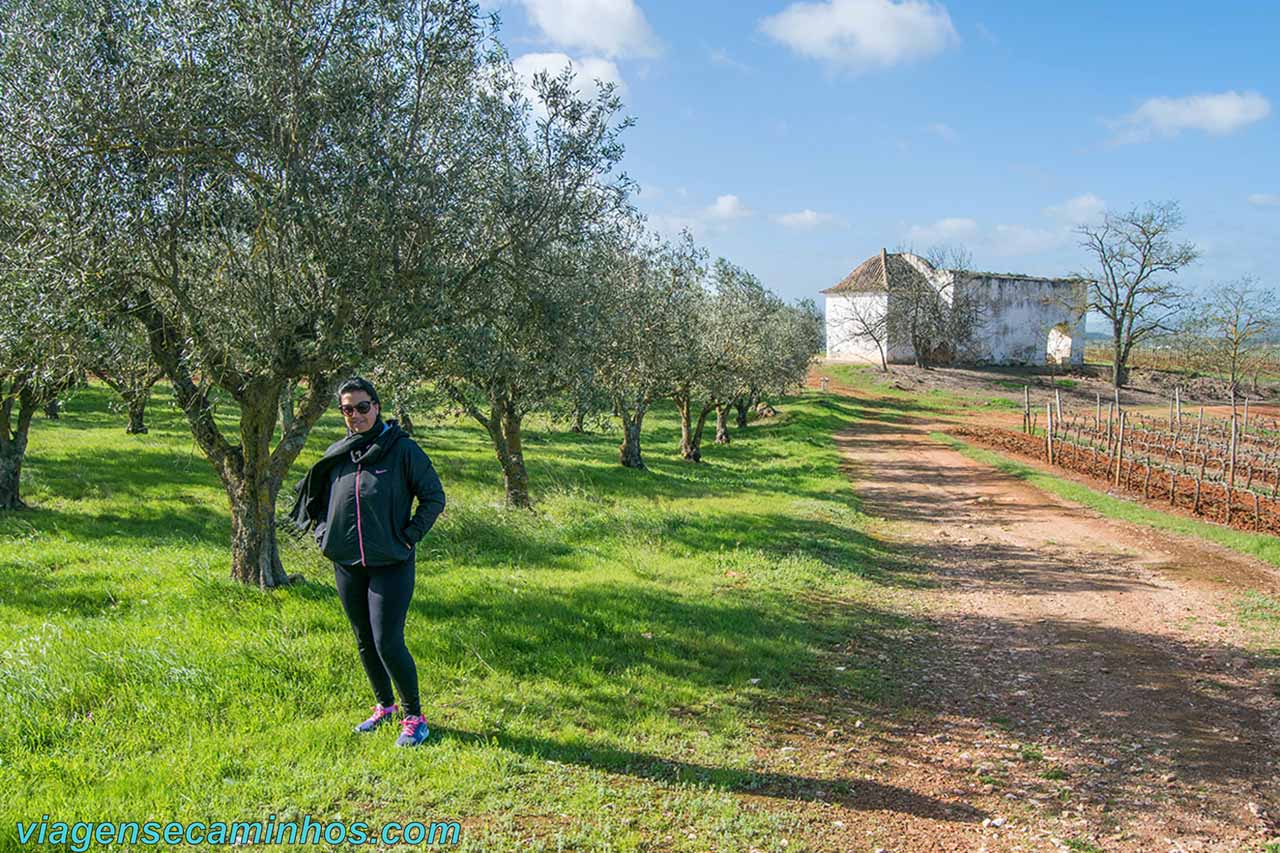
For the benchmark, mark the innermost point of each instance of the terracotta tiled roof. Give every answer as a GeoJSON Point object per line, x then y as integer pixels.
{"type": "Point", "coordinates": [869, 276]}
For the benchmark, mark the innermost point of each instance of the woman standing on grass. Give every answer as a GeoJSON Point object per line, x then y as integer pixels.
{"type": "Point", "coordinates": [358, 496]}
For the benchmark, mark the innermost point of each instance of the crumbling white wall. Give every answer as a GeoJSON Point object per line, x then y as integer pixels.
{"type": "Point", "coordinates": [1019, 315]}
{"type": "Point", "coordinates": [844, 343]}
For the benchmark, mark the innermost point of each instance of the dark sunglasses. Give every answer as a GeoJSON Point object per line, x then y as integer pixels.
{"type": "Point", "coordinates": [362, 407]}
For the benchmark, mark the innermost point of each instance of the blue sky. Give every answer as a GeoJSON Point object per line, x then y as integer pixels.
{"type": "Point", "coordinates": [797, 139]}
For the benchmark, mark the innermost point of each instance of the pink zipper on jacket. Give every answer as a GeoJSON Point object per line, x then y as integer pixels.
{"type": "Point", "coordinates": [359, 531]}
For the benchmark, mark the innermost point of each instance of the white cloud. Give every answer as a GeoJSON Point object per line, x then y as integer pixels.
{"type": "Point", "coordinates": [803, 219]}
{"type": "Point", "coordinates": [1078, 210]}
{"type": "Point", "coordinates": [1012, 240]}
{"type": "Point", "coordinates": [717, 217]}
{"type": "Point", "coordinates": [861, 34]}
{"type": "Point", "coordinates": [614, 28]}
{"type": "Point", "coordinates": [1220, 114]}
{"type": "Point", "coordinates": [727, 207]}
{"type": "Point", "coordinates": [944, 230]}
{"type": "Point", "coordinates": [587, 71]}
{"type": "Point", "coordinates": [944, 131]}
{"type": "Point", "coordinates": [1265, 199]}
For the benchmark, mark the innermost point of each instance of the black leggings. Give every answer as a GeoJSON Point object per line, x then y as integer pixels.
{"type": "Point", "coordinates": [376, 602]}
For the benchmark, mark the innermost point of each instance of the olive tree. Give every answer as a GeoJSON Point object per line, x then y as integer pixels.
{"type": "Point", "coordinates": [40, 336]}
{"type": "Point", "coordinates": [514, 338]}
{"type": "Point", "coordinates": [267, 188]}
{"type": "Point", "coordinates": [746, 312]}
{"type": "Point", "coordinates": [119, 354]}
{"type": "Point", "coordinates": [649, 286]}
{"type": "Point", "coordinates": [725, 318]}
{"type": "Point", "coordinates": [793, 339]}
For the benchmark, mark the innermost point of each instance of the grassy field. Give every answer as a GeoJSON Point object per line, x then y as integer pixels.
{"type": "Point", "coordinates": [597, 673]}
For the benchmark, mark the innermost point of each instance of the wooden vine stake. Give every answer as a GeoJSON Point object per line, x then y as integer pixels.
{"type": "Point", "coordinates": [1204, 462]}
{"type": "Point", "coordinates": [1119, 447]}
{"type": "Point", "coordinates": [1048, 433]}
{"type": "Point", "coordinates": [1026, 409]}
{"type": "Point", "coordinates": [1231, 464]}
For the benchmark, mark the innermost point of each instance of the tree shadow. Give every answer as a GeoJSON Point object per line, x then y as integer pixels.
{"type": "Point", "coordinates": [858, 794]}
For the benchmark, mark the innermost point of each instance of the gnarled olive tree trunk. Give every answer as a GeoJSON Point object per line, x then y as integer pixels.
{"type": "Point", "coordinates": [252, 485]}
{"type": "Point", "coordinates": [632, 420]}
{"type": "Point", "coordinates": [134, 388]}
{"type": "Point", "coordinates": [13, 445]}
{"type": "Point", "coordinates": [691, 432]}
{"type": "Point", "coordinates": [136, 403]}
{"type": "Point", "coordinates": [722, 424]}
{"type": "Point", "coordinates": [504, 423]}
{"type": "Point", "coordinates": [403, 418]}
{"type": "Point", "coordinates": [251, 471]}
{"type": "Point", "coordinates": [504, 427]}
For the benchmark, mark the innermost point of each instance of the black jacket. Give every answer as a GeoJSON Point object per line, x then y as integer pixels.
{"type": "Point", "coordinates": [360, 500]}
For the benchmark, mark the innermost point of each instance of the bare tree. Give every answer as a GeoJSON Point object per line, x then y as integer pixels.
{"type": "Point", "coordinates": [945, 256]}
{"type": "Point", "coordinates": [1237, 319]}
{"type": "Point", "coordinates": [1134, 256]}
{"type": "Point", "coordinates": [933, 311]}
{"type": "Point", "coordinates": [863, 318]}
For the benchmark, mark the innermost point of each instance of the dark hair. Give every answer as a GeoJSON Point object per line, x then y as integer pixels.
{"type": "Point", "coordinates": [358, 383]}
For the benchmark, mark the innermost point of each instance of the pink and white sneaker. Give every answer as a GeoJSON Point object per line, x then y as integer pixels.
{"type": "Point", "coordinates": [381, 714]}
{"type": "Point", "coordinates": [413, 731]}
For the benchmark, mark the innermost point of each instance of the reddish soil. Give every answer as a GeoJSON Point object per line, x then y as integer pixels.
{"type": "Point", "coordinates": [1262, 515]}
{"type": "Point", "coordinates": [1085, 681]}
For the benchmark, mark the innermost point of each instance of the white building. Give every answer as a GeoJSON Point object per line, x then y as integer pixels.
{"type": "Point", "coordinates": [1021, 320]}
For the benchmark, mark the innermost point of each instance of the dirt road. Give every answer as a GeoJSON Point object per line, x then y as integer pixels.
{"type": "Point", "coordinates": [1087, 684]}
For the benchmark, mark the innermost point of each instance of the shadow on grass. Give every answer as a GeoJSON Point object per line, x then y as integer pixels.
{"type": "Point", "coordinates": [859, 794]}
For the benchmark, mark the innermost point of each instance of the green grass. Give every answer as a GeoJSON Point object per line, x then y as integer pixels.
{"type": "Point", "coordinates": [1083, 845]}
{"type": "Point", "coordinates": [598, 673]}
{"type": "Point", "coordinates": [1260, 609]}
